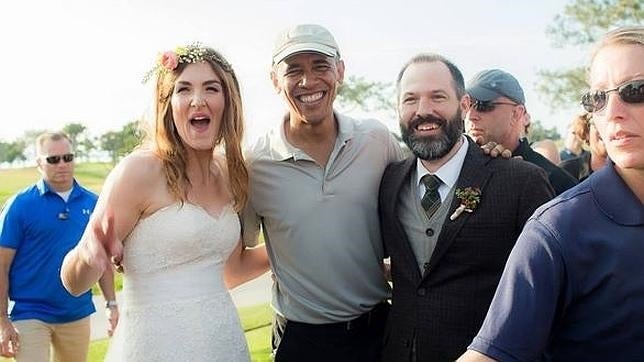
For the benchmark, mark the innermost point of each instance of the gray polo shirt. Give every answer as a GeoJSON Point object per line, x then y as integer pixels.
{"type": "Point", "coordinates": [321, 224]}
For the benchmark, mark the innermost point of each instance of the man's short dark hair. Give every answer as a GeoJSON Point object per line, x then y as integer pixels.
{"type": "Point", "coordinates": [457, 76]}
{"type": "Point", "coordinates": [50, 136]}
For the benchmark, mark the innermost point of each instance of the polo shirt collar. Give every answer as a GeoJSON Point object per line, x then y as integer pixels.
{"type": "Point", "coordinates": [43, 187]}
{"type": "Point", "coordinates": [346, 128]}
{"type": "Point", "coordinates": [282, 150]}
{"type": "Point", "coordinates": [614, 198]}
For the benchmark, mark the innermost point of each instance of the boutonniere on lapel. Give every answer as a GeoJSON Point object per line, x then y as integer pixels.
{"type": "Point", "coordinates": [470, 197]}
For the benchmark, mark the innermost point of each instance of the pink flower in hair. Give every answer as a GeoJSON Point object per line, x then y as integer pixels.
{"type": "Point", "coordinates": [169, 60]}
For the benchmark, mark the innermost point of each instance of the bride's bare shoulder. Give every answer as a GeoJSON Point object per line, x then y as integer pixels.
{"type": "Point", "coordinates": [141, 165]}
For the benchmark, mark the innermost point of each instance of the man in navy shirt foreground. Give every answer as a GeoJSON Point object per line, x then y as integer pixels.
{"type": "Point", "coordinates": [572, 288]}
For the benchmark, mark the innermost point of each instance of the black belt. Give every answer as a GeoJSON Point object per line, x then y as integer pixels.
{"type": "Point", "coordinates": [364, 320]}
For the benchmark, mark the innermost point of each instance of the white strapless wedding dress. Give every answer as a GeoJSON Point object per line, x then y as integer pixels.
{"type": "Point", "coordinates": [175, 305]}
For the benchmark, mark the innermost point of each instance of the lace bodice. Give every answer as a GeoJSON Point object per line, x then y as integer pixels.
{"type": "Point", "coordinates": [176, 306]}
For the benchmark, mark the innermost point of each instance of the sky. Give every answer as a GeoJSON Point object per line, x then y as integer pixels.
{"type": "Point", "coordinates": [69, 61]}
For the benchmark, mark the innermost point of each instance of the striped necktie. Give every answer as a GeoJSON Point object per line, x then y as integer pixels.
{"type": "Point", "coordinates": [431, 201]}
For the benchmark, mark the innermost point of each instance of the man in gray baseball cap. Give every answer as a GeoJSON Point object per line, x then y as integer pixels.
{"type": "Point", "coordinates": [305, 38]}
{"type": "Point", "coordinates": [491, 84]}
{"type": "Point", "coordinates": [314, 192]}
{"type": "Point", "coordinates": [497, 114]}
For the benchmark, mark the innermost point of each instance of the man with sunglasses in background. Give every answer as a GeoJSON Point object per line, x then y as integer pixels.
{"type": "Point", "coordinates": [572, 289]}
{"type": "Point", "coordinates": [38, 226]}
{"type": "Point", "coordinates": [496, 114]}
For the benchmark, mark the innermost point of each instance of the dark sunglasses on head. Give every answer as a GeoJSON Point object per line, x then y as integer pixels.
{"type": "Point", "coordinates": [487, 106]}
{"type": "Point", "coordinates": [53, 160]}
{"type": "Point", "coordinates": [630, 92]}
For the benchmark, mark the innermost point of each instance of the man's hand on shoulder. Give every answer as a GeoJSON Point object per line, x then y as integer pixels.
{"type": "Point", "coordinates": [494, 149]}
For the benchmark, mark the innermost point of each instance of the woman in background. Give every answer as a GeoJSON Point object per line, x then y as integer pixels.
{"type": "Point", "coordinates": [584, 165]}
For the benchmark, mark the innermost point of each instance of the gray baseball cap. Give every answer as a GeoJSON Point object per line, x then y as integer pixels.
{"type": "Point", "coordinates": [304, 38]}
{"type": "Point", "coordinates": [490, 84]}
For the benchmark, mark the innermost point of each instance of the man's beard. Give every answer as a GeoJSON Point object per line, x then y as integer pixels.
{"type": "Point", "coordinates": [433, 147]}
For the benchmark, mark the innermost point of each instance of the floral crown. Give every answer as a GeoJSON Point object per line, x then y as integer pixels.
{"type": "Point", "coordinates": [193, 53]}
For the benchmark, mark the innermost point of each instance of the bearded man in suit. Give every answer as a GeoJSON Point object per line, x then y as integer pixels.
{"type": "Point", "coordinates": [449, 217]}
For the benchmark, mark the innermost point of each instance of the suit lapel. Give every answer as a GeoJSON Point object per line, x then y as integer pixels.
{"type": "Point", "coordinates": [394, 189]}
{"type": "Point", "coordinates": [474, 173]}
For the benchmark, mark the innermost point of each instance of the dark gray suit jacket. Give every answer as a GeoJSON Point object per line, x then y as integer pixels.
{"type": "Point", "coordinates": [441, 311]}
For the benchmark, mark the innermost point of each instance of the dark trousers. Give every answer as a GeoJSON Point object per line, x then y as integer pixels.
{"type": "Point", "coordinates": [357, 340]}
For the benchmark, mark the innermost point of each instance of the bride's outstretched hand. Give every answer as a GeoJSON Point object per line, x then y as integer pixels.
{"type": "Point", "coordinates": [87, 262]}
{"type": "Point", "coordinates": [102, 249]}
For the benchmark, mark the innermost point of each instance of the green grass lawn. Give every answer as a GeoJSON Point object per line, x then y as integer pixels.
{"type": "Point", "coordinates": [90, 175]}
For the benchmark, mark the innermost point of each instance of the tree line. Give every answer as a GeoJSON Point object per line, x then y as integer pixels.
{"type": "Point", "coordinates": [114, 143]}
{"type": "Point", "coordinates": [355, 93]}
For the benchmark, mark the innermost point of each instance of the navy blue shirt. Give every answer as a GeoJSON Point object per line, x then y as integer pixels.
{"type": "Point", "coordinates": [42, 228]}
{"type": "Point", "coordinates": [558, 177]}
{"type": "Point", "coordinates": [573, 287]}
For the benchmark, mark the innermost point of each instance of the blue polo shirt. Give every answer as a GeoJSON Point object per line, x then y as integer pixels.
{"type": "Point", "coordinates": [42, 228]}
{"type": "Point", "coordinates": [573, 288]}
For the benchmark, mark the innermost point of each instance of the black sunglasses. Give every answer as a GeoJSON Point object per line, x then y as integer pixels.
{"type": "Point", "coordinates": [487, 106]}
{"type": "Point", "coordinates": [54, 160]}
{"type": "Point", "coordinates": [630, 92]}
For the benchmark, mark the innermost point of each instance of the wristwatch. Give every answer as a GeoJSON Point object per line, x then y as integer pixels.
{"type": "Point", "coordinates": [111, 304]}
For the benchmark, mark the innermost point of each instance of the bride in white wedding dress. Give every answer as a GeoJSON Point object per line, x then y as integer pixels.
{"type": "Point", "coordinates": [176, 306]}
{"type": "Point", "coordinates": [167, 217]}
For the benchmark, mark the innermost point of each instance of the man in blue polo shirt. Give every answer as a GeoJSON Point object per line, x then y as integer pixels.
{"type": "Point", "coordinates": [38, 226]}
